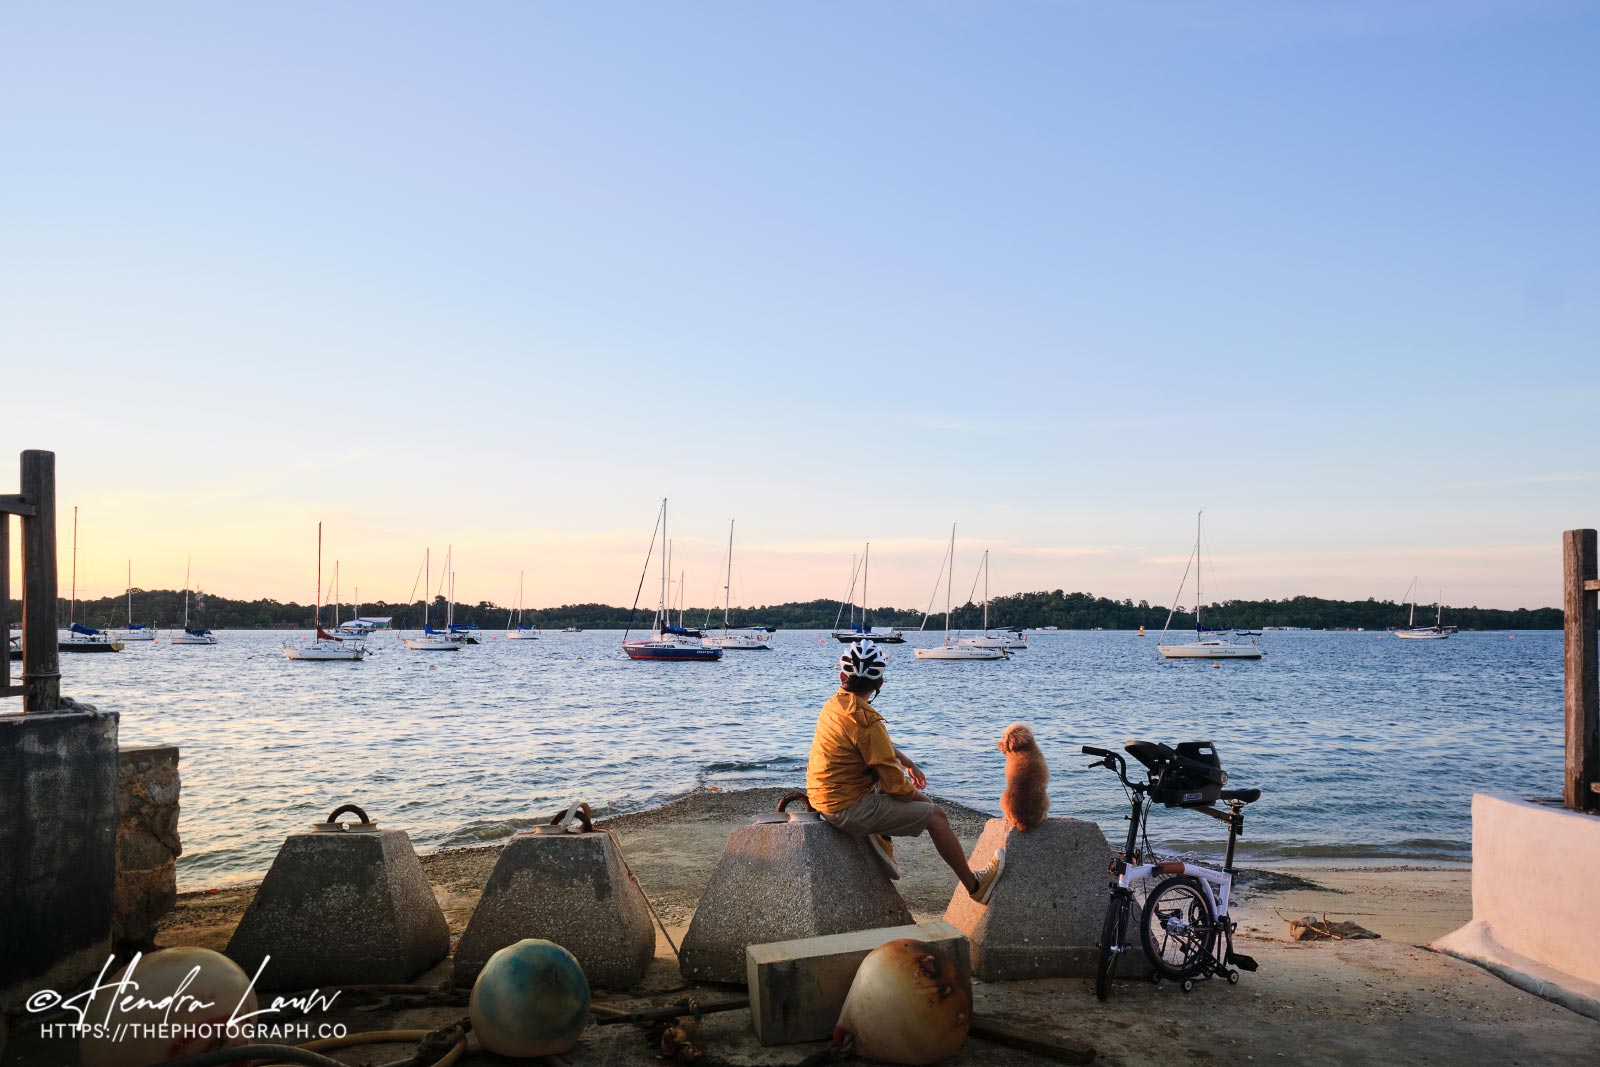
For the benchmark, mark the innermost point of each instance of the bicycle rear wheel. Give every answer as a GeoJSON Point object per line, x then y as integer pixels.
{"type": "Point", "coordinates": [1179, 929]}
{"type": "Point", "coordinates": [1111, 942]}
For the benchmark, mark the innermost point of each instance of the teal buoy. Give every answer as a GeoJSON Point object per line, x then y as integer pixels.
{"type": "Point", "coordinates": [530, 999]}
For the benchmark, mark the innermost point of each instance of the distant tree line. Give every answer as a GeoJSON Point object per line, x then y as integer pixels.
{"type": "Point", "coordinates": [1068, 611]}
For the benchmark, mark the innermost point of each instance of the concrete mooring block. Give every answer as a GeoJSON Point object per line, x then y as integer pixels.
{"type": "Point", "coordinates": [797, 988]}
{"type": "Point", "coordinates": [782, 878]}
{"type": "Point", "coordinates": [342, 908]}
{"type": "Point", "coordinates": [147, 841]}
{"type": "Point", "coordinates": [58, 849]}
{"type": "Point", "coordinates": [573, 889]}
{"type": "Point", "coordinates": [1045, 916]}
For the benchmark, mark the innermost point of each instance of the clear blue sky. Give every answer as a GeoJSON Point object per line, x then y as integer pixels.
{"type": "Point", "coordinates": [503, 275]}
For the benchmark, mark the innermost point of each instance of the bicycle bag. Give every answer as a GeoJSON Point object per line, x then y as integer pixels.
{"type": "Point", "coordinates": [1193, 777]}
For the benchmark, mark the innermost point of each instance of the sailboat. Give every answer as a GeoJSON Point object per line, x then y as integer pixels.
{"type": "Point", "coordinates": [1437, 632]}
{"type": "Point", "coordinates": [752, 638]}
{"type": "Point", "coordinates": [953, 649]}
{"type": "Point", "coordinates": [326, 646]}
{"type": "Point", "coordinates": [883, 635]}
{"type": "Point", "coordinates": [134, 631]}
{"type": "Point", "coordinates": [1214, 643]}
{"type": "Point", "coordinates": [198, 635]}
{"type": "Point", "coordinates": [1008, 639]}
{"type": "Point", "coordinates": [519, 632]}
{"type": "Point", "coordinates": [430, 640]}
{"type": "Point", "coordinates": [667, 642]}
{"type": "Point", "coordinates": [82, 638]}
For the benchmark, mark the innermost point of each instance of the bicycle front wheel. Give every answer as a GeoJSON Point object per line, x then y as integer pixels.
{"type": "Point", "coordinates": [1111, 942]}
{"type": "Point", "coordinates": [1179, 929]}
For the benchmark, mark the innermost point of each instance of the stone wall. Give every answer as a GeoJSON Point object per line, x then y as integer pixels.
{"type": "Point", "coordinates": [147, 842]}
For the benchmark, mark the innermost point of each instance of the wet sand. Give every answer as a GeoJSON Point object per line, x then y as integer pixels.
{"type": "Point", "coordinates": [1353, 1002]}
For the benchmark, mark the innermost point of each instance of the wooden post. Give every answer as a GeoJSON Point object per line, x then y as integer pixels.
{"type": "Point", "coordinates": [1583, 672]}
{"type": "Point", "coordinates": [41, 653]}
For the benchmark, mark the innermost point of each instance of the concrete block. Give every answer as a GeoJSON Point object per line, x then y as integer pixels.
{"type": "Point", "coordinates": [148, 846]}
{"type": "Point", "coordinates": [1534, 869]}
{"type": "Point", "coordinates": [341, 909]}
{"type": "Point", "coordinates": [58, 849]}
{"type": "Point", "coordinates": [1045, 916]}
{"type": "Point", "coordinates": [572, 889]}
{"type": "Point", "coordinates": [797, 988]}
{"type": "Point", "coordinates": [783, 881]}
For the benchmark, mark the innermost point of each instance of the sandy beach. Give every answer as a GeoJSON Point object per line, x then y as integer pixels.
{"type": "Point", "coordinates": [1386, 1001]}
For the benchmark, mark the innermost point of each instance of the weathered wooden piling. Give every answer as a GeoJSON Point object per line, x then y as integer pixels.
{"type": "Point", "coordinates": [1581, 790]}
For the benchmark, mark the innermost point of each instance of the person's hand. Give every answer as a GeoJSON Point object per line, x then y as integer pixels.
{"type": "Point", "coordinates": [914, 772]}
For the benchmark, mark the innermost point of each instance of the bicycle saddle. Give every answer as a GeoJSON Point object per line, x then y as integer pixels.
{"type": "Point", "coordinates": [1243, 796]}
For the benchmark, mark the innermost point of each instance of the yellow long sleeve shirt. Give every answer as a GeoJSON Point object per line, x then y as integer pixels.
{"type": "Point", "coordinates": [850, 754]}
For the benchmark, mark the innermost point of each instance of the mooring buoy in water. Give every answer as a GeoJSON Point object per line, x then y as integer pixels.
{"type": "Point", "coordinates": [568, 883]}
{"type": "Point", "coordinates": [132, 1037]}
{"type": "Point", "coordinates": [786, 875]}
{"type": "Point", "coordinates": [343, 903]}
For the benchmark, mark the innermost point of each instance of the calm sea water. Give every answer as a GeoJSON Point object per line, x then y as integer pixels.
{"type": "Point", "coordinates": [1366, 746]}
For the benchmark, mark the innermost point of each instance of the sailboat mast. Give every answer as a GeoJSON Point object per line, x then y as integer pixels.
{"type": "Point", "coordinates": [727, 587]}
{"type": "Point", "coordinates": [666, 562]}
{"type": "Point", "coordinates": [318, 608]}
{"type": "Point", "coordinates": [72, 611]}
{"type": "Point", "coordinates": [986, 592]}
{"type": "Point", "coordinates": [681, 600]}
{"type": "Point", "coordinates": [187, 564]}
{"type": "Point", "coordinates": [130, 593]}
{"type": "Point", "coordinates": [866, 558]}
{"type": "Point", "coordinates": [951, 560]}
{"type": "Point", "coordinates": [1199, 595]}
{"type": "Point", "coordinates": [427, 583]}
{"type": "Point", "coordinates": [1438, 619]}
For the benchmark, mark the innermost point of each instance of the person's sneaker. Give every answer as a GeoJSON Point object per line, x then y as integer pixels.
{"type": "Point", "coordinates": [989, 877]}
{"type": "Point", "coordinates": [883, 845]}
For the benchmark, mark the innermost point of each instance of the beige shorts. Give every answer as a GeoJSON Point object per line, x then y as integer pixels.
{"type": "Point", "coordinates": [879, 813]}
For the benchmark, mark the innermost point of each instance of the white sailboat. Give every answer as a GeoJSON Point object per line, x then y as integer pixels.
{"type": "Point", "coordinates": [197, 635]}
{"type": "Point", "coordinates": [666, 642]}
{"type": "Point", "coordinates": [515, 631]}
{"type": "Point", "coordinates": [883, 635]}
{"type": "Point", "coordinates": [751, 638]}
{"type": "Point", "coordinates": [1437, 632]}
{"type": "Point", "coordinates": [325, 647]}
{"type": "Point", "coordinates": [1007, 639]}
{"type": "Point", "coordinates": [81, 638]}
{"type": "Point", "coordinates": [954, 650]}
{"type": "Point", "coordinates": [134, 631]}
{"type": "Point", "coordinates": [429, 640]}
{"type": "Point", "coordinates": [1208, 644]}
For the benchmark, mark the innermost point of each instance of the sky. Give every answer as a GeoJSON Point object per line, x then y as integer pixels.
{"type": "Point", "coordinates": [501, 276]}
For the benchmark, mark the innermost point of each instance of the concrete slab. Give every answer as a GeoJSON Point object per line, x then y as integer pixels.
{"type": "Point", "coordinates": [784, 881]}
{"type": "Point", "coordinates": [572, 889]}
{"type": "Point", "coordinates": [58, 849]}
{"type": "Point", "coordinates": [1045, 916]}
{"type": "Point", "coordinates": [797, 988]}
{"type": "Point", "coordinates": [342, 909]}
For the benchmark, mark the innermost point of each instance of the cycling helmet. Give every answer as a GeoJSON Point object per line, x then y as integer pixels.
{"type": "Point", "coordinates": [863, 659]}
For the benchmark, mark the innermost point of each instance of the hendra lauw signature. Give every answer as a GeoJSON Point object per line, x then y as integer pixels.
{"type": "Point", "coordinates": [180, 1001]}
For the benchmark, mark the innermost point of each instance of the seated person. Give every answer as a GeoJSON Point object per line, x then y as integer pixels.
{"type": "Point", "coordinates": [859, 781]}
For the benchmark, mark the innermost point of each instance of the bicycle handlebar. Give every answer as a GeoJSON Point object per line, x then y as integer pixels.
{"type": "Point", "coordinates": [1112, 761]}
{"type": "Point", "coordinates": [1088, 751]}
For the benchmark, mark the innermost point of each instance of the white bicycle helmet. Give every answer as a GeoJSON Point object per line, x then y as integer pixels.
{"type": "Point", "coordinates": [863, 659]}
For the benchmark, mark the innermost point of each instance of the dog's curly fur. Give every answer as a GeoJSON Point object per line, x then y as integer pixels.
{"type": "Point", "coordinates": [1025, 801]}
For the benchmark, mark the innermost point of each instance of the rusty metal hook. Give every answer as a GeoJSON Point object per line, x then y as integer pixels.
{"type": "Point", "coordinates": [350, 809]}
{"type": "Point", "coordinates": [798, 794]}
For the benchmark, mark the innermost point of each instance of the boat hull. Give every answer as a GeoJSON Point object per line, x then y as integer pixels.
{"type": "Point", "coordinates": [1209, 651]}
{"type": "Point", "coordinates": [190, 639]}
{"type": "Point", "coordinates": [1422, 635]}
{"type": "Point", "coordinates": [431, 644]}
{"type": "Point", "coordinates": [323, 654]}
{"type": "Point", "coordinates": [127, 636]}
{"type": "Point", "coordinates": [90, 646]}
{"type": "Point", "coordinates": [520, 635]}
{"type": "Point", "coordinates": [958, 652]}
{"type": "Point", "coordinates": [676, 653]}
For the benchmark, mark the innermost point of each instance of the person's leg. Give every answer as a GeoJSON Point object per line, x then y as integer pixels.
{"type": "Point", "coordinates": [949, 848]}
